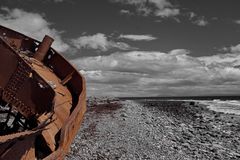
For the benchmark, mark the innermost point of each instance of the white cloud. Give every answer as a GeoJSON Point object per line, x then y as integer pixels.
{"type": "Point", "coordinates": [237, 21]}
{"type": "Point", "coordinates": [191, 15]}
{"type": "Point", "coordinates": [31, 24]}
{"type": "Point", "coordinates": [201, 21]}
{"type": "Point", "coordinates": [124, 11]}
{"type": "Point", "coordinates": [161, 8]}
{"type": "Point", "coordinates": [235, 49]}
{"type": "Point", "coordinates": [232, 49]}
{"type": "Point", "coordinates": [196, 19]}
{"type": "Point", "coordinates": [133, 37]}
{"type": "Point", "coordinates": [144, 73]}
{"type": "Point", "coordinates": [99, 41]}
{"type": "Point", "coordinates": [167, 12]}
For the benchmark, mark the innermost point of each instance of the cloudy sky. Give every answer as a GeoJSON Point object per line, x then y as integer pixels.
{"type": "Point", "coordinates": [140, 47]}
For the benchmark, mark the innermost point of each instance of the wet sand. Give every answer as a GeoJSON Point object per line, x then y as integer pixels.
{"type": "Point", "coordinates": [114, 129]}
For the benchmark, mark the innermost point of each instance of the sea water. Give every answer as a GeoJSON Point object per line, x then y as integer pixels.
{"type": "Point", "coordinates": [225, 106]}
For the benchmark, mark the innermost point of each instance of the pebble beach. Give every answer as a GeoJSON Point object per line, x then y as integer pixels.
{"type": "Point", "coordinates": [128, 129]}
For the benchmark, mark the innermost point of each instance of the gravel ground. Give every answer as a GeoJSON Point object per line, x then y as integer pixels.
{"type": "Point", "coordinates": [155, 130]}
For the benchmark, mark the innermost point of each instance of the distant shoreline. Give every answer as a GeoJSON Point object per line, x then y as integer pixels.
{"type": "Point", "coordinates": [228, 97]}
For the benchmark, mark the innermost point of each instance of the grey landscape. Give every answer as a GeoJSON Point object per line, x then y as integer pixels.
{"type": "Point", "coordinates": [146, 53]}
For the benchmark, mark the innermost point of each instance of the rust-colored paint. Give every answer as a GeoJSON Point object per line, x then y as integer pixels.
{"type": "Point", "coordinates": [42, 99]}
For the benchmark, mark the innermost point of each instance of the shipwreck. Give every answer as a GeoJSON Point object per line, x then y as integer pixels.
{"type": "Point", "coordinates": [42, 99]}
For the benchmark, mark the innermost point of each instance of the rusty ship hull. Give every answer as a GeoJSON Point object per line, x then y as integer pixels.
{"type": "Point", "coordinates": [43, 99]}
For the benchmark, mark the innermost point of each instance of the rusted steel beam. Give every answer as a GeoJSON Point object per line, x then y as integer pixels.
{"type": "Point", "coordinates": [43, 48]}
